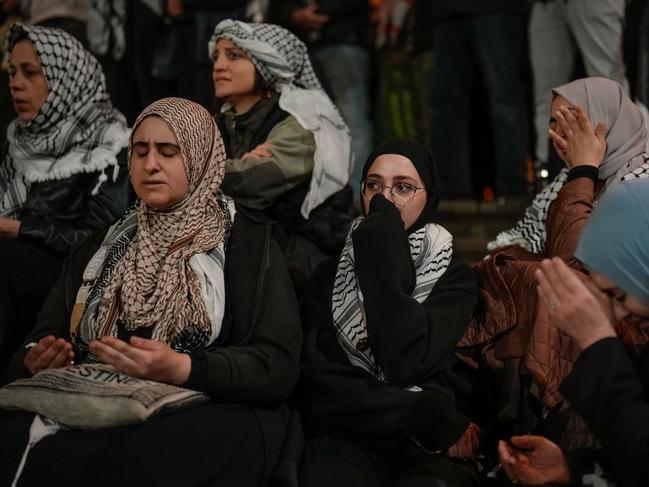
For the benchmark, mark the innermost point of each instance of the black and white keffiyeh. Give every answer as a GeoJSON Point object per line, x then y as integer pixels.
{"type": "Point", "coordinates": [283, 62]}
{"type": "Point", "coordinates": [107, 22]}
{"type": "Point", "coordinates": [431, 249]}
{"type": "Point", "coordinates": [530, 232]}
{"type": "Point", "coordinates": [76, 130]}
{"type": "Point", "coordinates": [604, 101]}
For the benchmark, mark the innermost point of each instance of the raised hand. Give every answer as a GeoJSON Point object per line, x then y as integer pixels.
{"type": "Point", "coordinates": [575, 140]}
{"type": "Point", "coordinates": [533, 460]}
{"type": "Point", "coordinates": [146, 359]}
{"type": "Point", "coordinates": [572, 307]}
{"type": "Point", "coordinates": [49, 353]}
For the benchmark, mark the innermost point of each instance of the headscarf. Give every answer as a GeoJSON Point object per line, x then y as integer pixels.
{"type": "Point", "coordinates": [283, 62]}
{"type": "Point", "coordinates": [615, 240]}
{"type": "Point", "coordinates": [431, 250]}
{"type": "Point", "coordinates": [154, 283]}
{"type": "Point", "coordinates": [76, 130]}
{"type": "Point", "coordinates": [422, 159]}
{"type": "Point", "coordinates": [604, 100]}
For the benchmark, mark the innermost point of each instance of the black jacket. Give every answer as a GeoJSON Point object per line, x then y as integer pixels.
{"type": "Point", "coordinates": [256, 361]}
{"type": "Point", "coordinates": [412, 342]}
{"type": "Point", "coordinates": [348, 24]}
{"type": "Point", "coordinates": [611, 394]}
{"type": "Point", "coordinates": [60, 214]}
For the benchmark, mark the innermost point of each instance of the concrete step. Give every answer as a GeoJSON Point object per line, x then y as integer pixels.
{"type": "Point", "coordinates": [473, 224]}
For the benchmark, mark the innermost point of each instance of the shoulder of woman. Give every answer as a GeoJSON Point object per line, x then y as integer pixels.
{"type": "Point", "coordinates": [460, 273]}
{"type": "Point", "coordinates": [290, 127]}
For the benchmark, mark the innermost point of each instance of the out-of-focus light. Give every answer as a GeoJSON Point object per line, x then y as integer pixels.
{"type": "Point", "coordinates": [544, 173]}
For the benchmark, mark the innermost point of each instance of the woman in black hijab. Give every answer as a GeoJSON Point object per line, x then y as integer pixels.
{"type": "Point", "coordinates": [380, 391]}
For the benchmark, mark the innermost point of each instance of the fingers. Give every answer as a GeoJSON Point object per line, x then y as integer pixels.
{"type": "Point", "coordinates": [560, 143]}
{"type": "Point", "coordinates": [144, 344]}
{"type": "Point", "coordinates": [508, 460]}
{"type": "Point", "coordinates": [550, 287]}
{"type": "Point", "coordinates": [41, 346]}
{"type": "Point", "coordinates": [63, 358]}
{"type": "Point", "coordinates": [562, 120]}
{"type": "Point", "coordinates": [600, 132]}
{"type": "Point", "coordinates": [582, 119]}
{"type": "Point", "coordinates": [527, 442]}
{"type": "Point", "coordinates": [117, 353]}
{"type": "Point", "coordinates": [48, 353]}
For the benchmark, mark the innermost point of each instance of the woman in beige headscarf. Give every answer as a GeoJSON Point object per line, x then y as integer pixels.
{"type": "Point", "coordinates": [601, 136]}
{"type": "Point", "coordinates": [178, 291]}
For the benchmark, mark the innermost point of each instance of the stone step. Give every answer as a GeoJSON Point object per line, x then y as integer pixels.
{"type": "Point", "coordinates": [473, 224]}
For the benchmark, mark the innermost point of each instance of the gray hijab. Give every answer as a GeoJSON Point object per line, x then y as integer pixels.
{"type": "Point", "coordinates": [604, 100]}
{"type": "Point", "coordinates": [615, 240]}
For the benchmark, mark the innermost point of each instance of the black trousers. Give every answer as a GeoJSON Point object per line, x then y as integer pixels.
{"type": "Point", "coordinates": [212, 444]}
{"type": "Point", "coordinates": [27, 273]}
{"type": "Point", "coordinates": [329, 462]}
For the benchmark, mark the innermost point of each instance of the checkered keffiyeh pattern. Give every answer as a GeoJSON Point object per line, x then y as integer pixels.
{"type": "Point", "coordinates": [76, 130]}
{"type": "Point", "coordinates": [154, 283]}
{"type": "Point", "coordinates": [278, 55]}
{"type": "Point", "coordinates": [283, 62]}
{"type": "Point", "coordinates": [530, 232]}
{"type": "Point", "coordinates": [431, 249]}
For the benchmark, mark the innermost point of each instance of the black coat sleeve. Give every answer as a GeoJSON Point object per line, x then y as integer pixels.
{"type": "Point", "coordinates": [410, 340]}
{"type": "Point", "coordinates": [54, 316]}
{"type": "Point", "coordinates": [605, 389]}
{"type": "Point", "coordinates": [59, 214]}
{"type": "Point", "coordinates": [265, 369]}
{"type": "Point", "coordinates": [345, 397]}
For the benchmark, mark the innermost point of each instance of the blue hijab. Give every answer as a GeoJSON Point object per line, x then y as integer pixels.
{"type": "Point", "coordinates": [615, 240]}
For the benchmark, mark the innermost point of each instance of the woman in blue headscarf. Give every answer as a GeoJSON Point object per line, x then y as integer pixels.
{"type": "Point", "coordinates": [606, 387]}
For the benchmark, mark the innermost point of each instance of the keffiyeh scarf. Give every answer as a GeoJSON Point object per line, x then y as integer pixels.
{"type": "Point", "coordinates": [530, 231]}
{"type": "Point", "coordinates": [431, 249]}
{"type": "Point", "coordinates": [106, 20]}
{"type": "Point", "coordinates": [283, 62]}
{"type": "Point", "coordinates": [76, 130]}
{"type": "Point", "coordinates": [162, 262]}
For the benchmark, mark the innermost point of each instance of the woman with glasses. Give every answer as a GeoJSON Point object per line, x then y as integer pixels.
{"type": "Point", "coordinates": [382, 391]}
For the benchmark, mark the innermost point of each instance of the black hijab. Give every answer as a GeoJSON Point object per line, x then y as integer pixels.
{"type": "Point", "coordinates": [422, 159]}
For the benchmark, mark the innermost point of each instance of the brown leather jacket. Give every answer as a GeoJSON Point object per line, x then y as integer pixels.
{"type": "Point", "coordinates": [512, 325]}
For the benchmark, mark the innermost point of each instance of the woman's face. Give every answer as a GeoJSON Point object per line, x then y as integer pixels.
{"type": "Point", "coordinates": [396, 171]}
{"type": "Point", "coordinates": [28, 84]}
{"type": "Point", "coordinates": [157, 168]}
{"type": "Point", "coordinates": [233, 73]}
{"type": "Point", "coordinates": [624, 306]}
